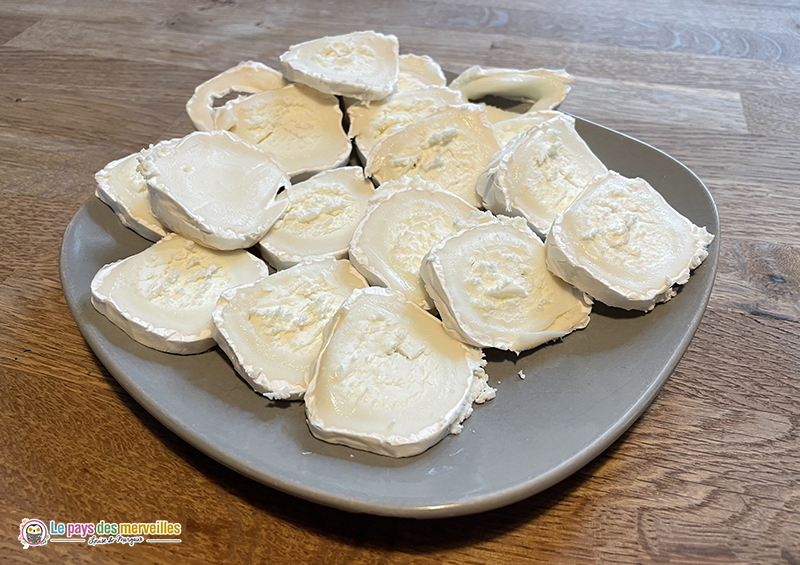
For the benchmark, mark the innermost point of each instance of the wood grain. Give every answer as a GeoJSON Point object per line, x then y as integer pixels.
{"type": "Point", "coordinates": [709, 474]}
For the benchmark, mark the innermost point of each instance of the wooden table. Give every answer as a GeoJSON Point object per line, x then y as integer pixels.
{"type": "Point", "coordinates": [708, 474]}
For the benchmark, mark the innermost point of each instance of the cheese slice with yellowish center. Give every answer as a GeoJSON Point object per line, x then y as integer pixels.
{"type": "Point", "coordinates": [449, 147]}
{"type": "Point", "coordinates": [246, 77]}
{"type": "Point", "coordinates": [122, 187]}
{"type": "Point", "coordinates": [492, 288]}
{"type": "Point", "coordinates": [396, 233]}
{"type": "Point", "coordinates": [300, 127]}
{"type": "Point", "coordinates": [374, 121]}
{"type": "Point", "coordinates": [163, 297]}
{"type": "Point", "coordinates": [507, 130]}
{"type": "Point", "coordinates": [214, 188]}
{"type": "Point", "coordinates": [419, 71]}
{"type": "Point", "coordinates": [271, 329]}
{"type": "Point", "coordinates": [321, 215]}
{"type": "Point", "coordinates": [362, 64]}
{"type": "Point", "coordinates": [539, 173]}
{"type": "Point", "coordinates": [389, 379]}
{"type": "Point", "coordinates": [623, 244]}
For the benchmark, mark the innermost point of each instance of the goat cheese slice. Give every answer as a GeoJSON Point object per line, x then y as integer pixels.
{"type": "Point", "coordinates": [271, 329]}
{"type": "Point", "coordinates": [247, 77]}
{"type": "Point", "coordinates": [396, 233]}
{"type": "Point", "coordinates": [362, 65]}
{"type": "Point", "coordinates": [300, 127]}
{"type": "Point", "coordinates": [449, 147]}
{"type": "Point", "coordinates": [419, 71]}
{"type": "Point", "coordinates": [214, 188]}
{"type": "Point", "coordinates": [123, 188]}
{"type": "Point", "coordinates": [507, 130]}
{"type": "Point", "coordinates": [163, 297]}
{"type": "Point", "coordinates": [321, 215]}
{"type": "Point", "coordinates": [374, 121]}
{"type": "Point", "coordinates": [492, 288]}
{"type": "Point", "coordinates": [543, 88]}
{"type": "Point", "coordinates": [388, 378]}
{"type": "Point", "coordinates": [539, 174]}
{"type": "Point", "coordinates": [623, 244]}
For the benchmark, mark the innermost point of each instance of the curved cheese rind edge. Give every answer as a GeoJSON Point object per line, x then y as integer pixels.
{"type": "Point", "coordinates": [477, 82]}
{"type": "Point", "coordinates": [421, 69]}
{"type": "Point", "coordinates": [225, 120]}
{"type": "Point", "coordinates": [142, 331]}
{"type": "Point", "coordinates": [477, 392]}
{"type": "Point", "coordinates": [106, 193]}
{"type": "Point", "coordinates": [282, 259]}
{"type": "Point", "coordinates": [178, 219]}
{"type": "Point", "coordinates": [493, 184]}
{"type": "Point", "coordinates": [433, 275]}
{"type": "Point", "coordinates": [247, 76]}
{"type": "Point", "coordinates": [358, 258]}
{"type": "Point", "coordinates": [359, 90]}
{"type": "Point", "coordinates": [564, 264]}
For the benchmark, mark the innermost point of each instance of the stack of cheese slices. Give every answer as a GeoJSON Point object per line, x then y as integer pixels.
{"type": "Point", "coordinates": [505, 224]}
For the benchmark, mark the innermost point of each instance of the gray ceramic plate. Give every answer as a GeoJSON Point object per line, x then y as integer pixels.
{"type": "Point", "coordinates": [578, 396]}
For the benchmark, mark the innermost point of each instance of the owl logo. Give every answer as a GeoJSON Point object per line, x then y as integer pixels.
{"type": "Point", "coordinates": [33, 533]}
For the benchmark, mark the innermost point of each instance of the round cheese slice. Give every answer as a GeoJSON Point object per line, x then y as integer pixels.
{"type": "Point", "coordinates": [362, 64]}
{"type": "Point", "coordinates": [300, 127]}
{"type": "Point", "coordinates": [123, 188]}
{"type": "Point", "coordinates": [492, 288]}
{"type": "Point", "coordinates": [449, 147]}
{"type": "Point", "coordinates": [247, 77]}
{"type": "Point", "coordinates": [539, 174]}
{"type": "Point", "coordinates": [271, 329]}
{"type": "Point", "coordinates": [507, 130]}
{"type": "Point", "coordinates": [623, 244]}
{"type": "Point", "coordinates": [396, 233]}
{"type": "Point", "coordinates": [321, 215]}
{"type": "Point", "coordinates": [163, 297]}
{"type": "Point", "coordinates": [419, 71]}
{"type": "Point", "coordinates": [214, 188]}
{"type": "Point", "coordinates": [374, 121]}
{"type": "Point", "coordinates": [388, 378]}
{"type": "Point", "coordinates": [544, 88]}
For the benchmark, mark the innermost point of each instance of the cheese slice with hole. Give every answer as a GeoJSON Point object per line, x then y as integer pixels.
{"type": "Point", "coordinates": [539, 174]}
{"type": "Point", "coordinates": [300, 127]}
{"type": "Point", "coordinates": [362, 64]}
{"type": "Point", "coordinates": [389, 379]}
{"type": "Point", "coordinates": [122, 187]}
{"type": "Point", "coordinates": [623, 244]}
{"type": "Point", "coordinates": [163, 297]}
{"type": "Point", "coordinates": [320, 218]}
{"type": "Point", "coordinates": [491, 286]}
{"type": "Point", "coordinates": [214, 188]}
{"type": "Point", "coordinates": [449, 147]}
{"type": "Point", "coordinates": [396, 233]}
{"type": "Point", "coordinates": [246, 77]}
{"type": "Point", "coordinates": [271, 329]}
{"type": "Point", "coordinates": [545, 89]}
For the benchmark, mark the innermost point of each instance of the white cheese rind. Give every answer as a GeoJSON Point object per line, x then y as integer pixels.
{"type": "Point", "coordinates": [623, 244]}
{"type": "Point", "coordinates": [362, 65]}
{"type": "Point", "coordinates": [300, 127]}
{"type": "Point", "coordinates": [372, 122]}
{"type": "Point", "coordinates": [544, 88]}
{"type": "Point", "coordinates": [507, 130]}
{"type": "Point", "coordinates": [398, 230]}
{"type": "Point", "coordinates": [449, 147]}
{"type": "Point", "coordinates": [492, 288]}
{"type": "Point", "coordinates": [123, 188]}
{"type": "Point", "coordinates": [163, 297]}
{"type": "Point", "coordinates": [539, 173]}
{"type": "Point", "coordinates": [419, 71]}
{"type": "Point", "coordinates": [271, 329]}
{"type": "Point", "coordinates": [320, 218]}
{"type": "Point", "coordinates": [214, 188]}
{"type": "Point", "coordinates": [389, 379]}
{"type": "Point", "coordinates": [247, 77]}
